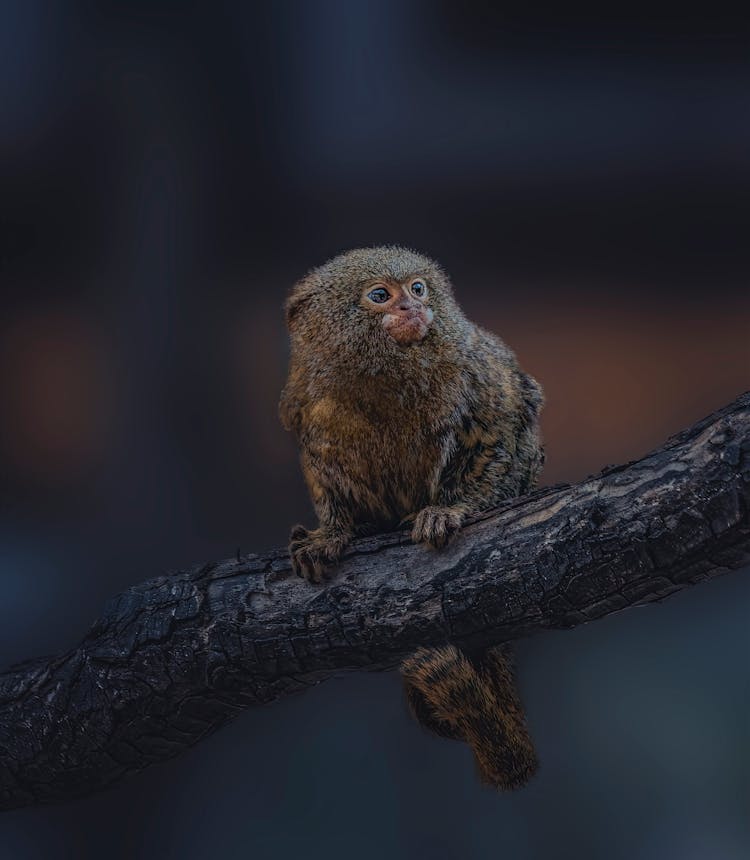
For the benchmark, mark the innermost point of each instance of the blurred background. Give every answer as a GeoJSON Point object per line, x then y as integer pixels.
{"type": "Point", "coordinates": [167, 171]}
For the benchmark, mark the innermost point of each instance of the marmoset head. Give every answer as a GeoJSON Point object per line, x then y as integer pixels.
{"type": "Point", "coordinates": [386, 298]}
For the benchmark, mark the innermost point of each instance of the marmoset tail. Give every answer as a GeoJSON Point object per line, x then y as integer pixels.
{"type": "Point", "coordinates": [478, 704]}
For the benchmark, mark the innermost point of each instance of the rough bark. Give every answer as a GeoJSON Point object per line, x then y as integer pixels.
{"type": "Point", "coordinates": [174, 658]}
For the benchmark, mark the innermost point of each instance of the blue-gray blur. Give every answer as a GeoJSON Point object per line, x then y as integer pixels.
{"type": "Point", "coordinates": [167, 170]}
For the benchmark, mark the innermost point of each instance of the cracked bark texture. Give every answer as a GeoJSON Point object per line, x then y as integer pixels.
{"type": "Point", "coordinates": [174, 658]}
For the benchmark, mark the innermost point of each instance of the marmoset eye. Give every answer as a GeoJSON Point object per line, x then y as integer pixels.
{"type": "Point", "coordinates": [379, 295]}
{"type": "Point", "coordinates": [419, 289]}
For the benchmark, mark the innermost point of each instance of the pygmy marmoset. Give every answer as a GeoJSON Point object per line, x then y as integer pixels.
{"type": "Point", "coordinates": [407, 413]}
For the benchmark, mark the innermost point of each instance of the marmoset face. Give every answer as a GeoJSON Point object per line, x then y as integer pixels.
{"type": "Point", "coordinates": [402, 306]}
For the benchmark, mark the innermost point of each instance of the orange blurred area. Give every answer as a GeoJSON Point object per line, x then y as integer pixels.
{"type": "Point", "coordinates": [258, 357]}
{"type": "Point", "coordinates": [57, 400]}
{"type": "Point", "coordinates": [620, 377]}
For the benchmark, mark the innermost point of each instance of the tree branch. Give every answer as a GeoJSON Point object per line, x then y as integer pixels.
{"type": "Point", "coordinates": [174, 658]}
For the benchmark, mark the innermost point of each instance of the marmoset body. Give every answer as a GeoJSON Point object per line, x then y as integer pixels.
{"type": "Point", "coordinates": [406, 413]}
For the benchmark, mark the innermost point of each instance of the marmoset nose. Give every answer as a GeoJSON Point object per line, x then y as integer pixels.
{"type": "Point", "coordinates": [405, 304]}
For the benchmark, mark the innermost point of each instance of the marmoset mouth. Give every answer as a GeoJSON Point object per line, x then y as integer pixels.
{"type": "Point", "coordinates": [406, 330]}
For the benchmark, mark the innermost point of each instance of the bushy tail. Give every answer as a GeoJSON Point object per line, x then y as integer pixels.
{"type": "Point", "coordinates": [477, 703]}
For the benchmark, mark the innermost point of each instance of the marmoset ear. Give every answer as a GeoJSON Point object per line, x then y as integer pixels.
{"type": "Point", "coordinates": [301, 294]}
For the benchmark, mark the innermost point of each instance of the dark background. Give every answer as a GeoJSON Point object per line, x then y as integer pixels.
{"type": "Point", "coordinates": [166, 172]}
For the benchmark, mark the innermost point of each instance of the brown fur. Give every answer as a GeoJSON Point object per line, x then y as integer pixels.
{"type": "Point", "coordinates": [475, 703]}
{"type": "Point", "coordinates": [424, 434]}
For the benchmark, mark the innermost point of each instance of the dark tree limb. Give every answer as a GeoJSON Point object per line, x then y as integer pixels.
{"type": "Point", "coordinates": [174, 658]}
